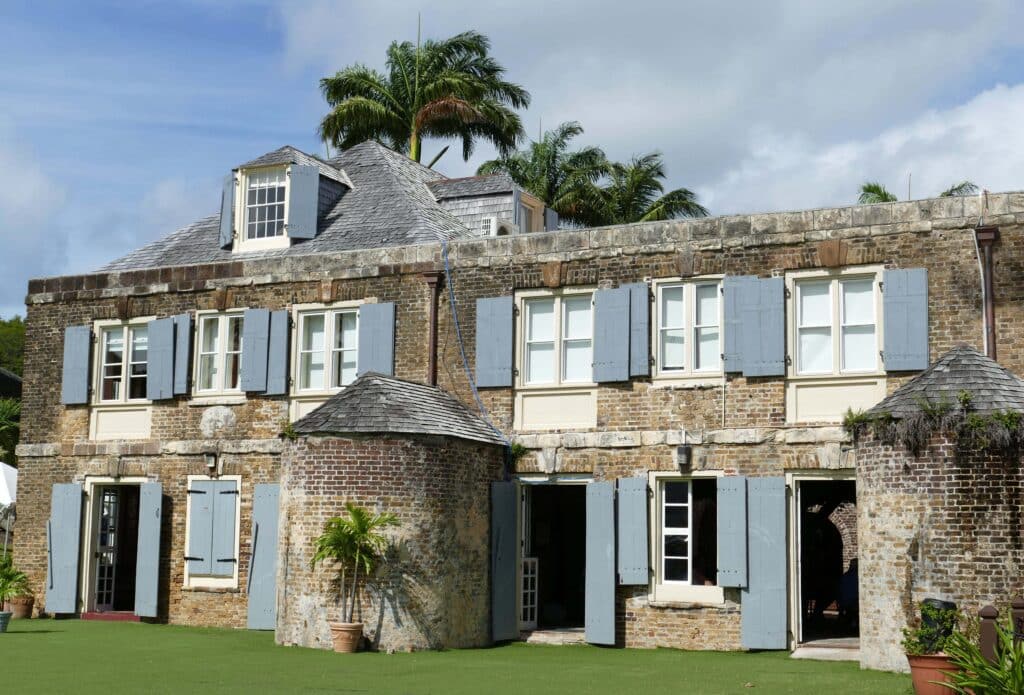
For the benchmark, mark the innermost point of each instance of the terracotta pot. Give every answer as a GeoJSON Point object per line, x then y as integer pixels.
{"type": "Point", "coordinates": [21, 606]}
{"type": "Point", "coordinates": [5, 618]}
{"type": "Point", "coordinates": [346, 637]}
{"type": "Point", "coordinates": [927, 671]}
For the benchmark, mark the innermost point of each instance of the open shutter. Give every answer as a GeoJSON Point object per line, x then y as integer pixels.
{"type": "Point", "coordinates": [227, 209]}
{"type": "Point", "coordinates": [77, 357]}
{"type": "Point", "coordinates": [147, 564]}
{"type": "Point", "coordinates": [160, 360]}
{"type": "Point", "coordinates": [517, 201]}
{"type": "Point", "coordinates": [763, 601]}
{"type": "Point", "coordinates": [62, 537]}
{"type": "Point", "coordinates": [376, 339]}
{"type": "Point", "coordinates": [504, 621]}
{"type": "Point", "coordinates": [905, 315]}
{"type": "Point", "coordinates": [550, 220]}
{"type": "Point", "coordinates": [225, 550]}
{"type": "Point", "coordinates": [732, 531]}
{"type": "Point", "coordinates": [255, 346]}
{"type": "Point", "coordinates": [639, 329]}
{"type": "Point", "coordinates": [599, 600]}
{"type": "Point", "coordinates": [303, 200]}
{"type": "Point", "coordinates": [182, 352]}
{"type": "Point", "coordinates": [733, 288]}
{"type": "Point", "coordinates": [611, 335]}
{"type": "Point", "coordinates": [200, 527]}
{"type": "Point", "coordinates": [632, 531]}
{"type": "Point", "coordinates": [262, 582]}
{"type": "Point", "coordinates": [763, 337]}
{"type": "Point", "coordinates": [277, 354]}
{"type": "Point", "coordinates": [494, 321]}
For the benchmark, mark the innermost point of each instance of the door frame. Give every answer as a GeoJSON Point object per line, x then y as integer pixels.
{"type": "Point", "coordinates": [91, 513]}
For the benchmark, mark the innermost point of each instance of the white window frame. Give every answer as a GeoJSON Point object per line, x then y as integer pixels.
{"type": "Point", "coordinates": [205, 582]}
{"type": "Point", "coordinates": [223, 318]}
{"type": "Point", "coordinates": [559, 383]}
{"type": "Point", "coordinates": [689, 326]}
{"type": "Point", "coordinates": [329, 311]}
{"type": "Point", "coordinates": [242, 242]}
{"type": "Point", "coordinates": [99, 329]}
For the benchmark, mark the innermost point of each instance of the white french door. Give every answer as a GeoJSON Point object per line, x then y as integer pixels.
{"type": "Point", "coordinates": [106, 548]}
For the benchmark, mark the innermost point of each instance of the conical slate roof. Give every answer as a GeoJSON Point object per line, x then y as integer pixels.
{"type": "Point", "coordinates": [378, 404]}
{"type": "Point", "coordinates": [992, 387]}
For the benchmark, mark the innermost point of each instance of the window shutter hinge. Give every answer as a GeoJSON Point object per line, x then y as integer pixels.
{"type": "Point", "coordinates": [515, 311]}
{"type": "Point", "coordinates": [196, 559]}
{"type": "Point", "coordinates": [515, 371]}
{"type": "Point", "coordinates": [881, 287]}
{"type": "Point", "coordinates": [789, 361]}
{"type": "Point", "coordinates": [196, 492]}
{"type": "Point", "coordinates": [226, 559]}
{"type": "Point", "coordinates": [229, 492]}
{"type": "Point", "coordinates": [787, 293]}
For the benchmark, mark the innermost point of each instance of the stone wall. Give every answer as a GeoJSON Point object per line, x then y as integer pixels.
{"type": "Point", "coordinates": [434, 591]}
{"type": "Point", "coordinates": [947, 524]}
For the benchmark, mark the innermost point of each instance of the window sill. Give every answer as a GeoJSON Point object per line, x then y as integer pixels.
{"type": "Point", "coordinates": [218, 399]}
{"type": "Point", "coordinates": [686, 596]}
{"type": "Point", "coordinates": [250, 245]}
{"type": "Point", "coordinates": [559, 388]}
{"type": "Point", "coordinates": [688, 381]}
{"type": "Point", "coordinates": [845, 376]}
{"type": "Point", "coordinates": [212, 589]}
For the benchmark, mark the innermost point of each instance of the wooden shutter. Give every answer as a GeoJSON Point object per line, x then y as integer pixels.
{"type": "Point", "coordinates": [599, 600]}
{"type": "Point", "coordinates": [611, 335]}
{"type": "Point", "coordinates": [182, 352]}
{"type": "Point", "coordinates": [763, 337]}
{"type": "Point", "coordinates": [225, 549]}
{"type": "Point", "coordinates": [227, 208]}
{"type": "Point", "coordinates": [62, 537]}
{"type": "Point", "coordinates": [303, 201]}
{"type": "Point", "coordinates": [632, 531]}
{"type": "Point", "coordinates": [550, 220]}
{"type": "Point", "coordinates": [376, 339]}
{"type": "Point", "coordinates": [732, 531]}
{"type": "Point", "coordinates": [277, 354]}
{"type": "Point", "coordinates": [77, 358]}
{"type": "Point", "coordinates": [733, 288]}
{"type": "Point", "coordinates": [200, 527]}
{"type": "Point", "coordinates": [255, 347]}
{"type": "Point", "coordinates": [262, 578]}
{"type": "Point", "coordinates": [517, 201]}
{"type": "Point", "coordinates": [504, 599]}
{"type": "Point", "coordinates": [147, 563]}
{"type": "Point", "coordinates": [494, 341]}
{"type": "Point", "coordinates": [160, 359]}
{"type": "Point", "coordinates": [639, 329]}
{"type": "Point", "coordinates": [763, 601]}
{"type": "Point", "coordinates": [905, 316]}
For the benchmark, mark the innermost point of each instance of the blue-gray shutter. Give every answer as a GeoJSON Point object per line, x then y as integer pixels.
{"type": "Point", "coordinates": [550, 220]}
{"type": "Point", "coordinates": [905, 315]}
{"type": "Point", "coordinates": [160, 359]}
{"type": "Point", "coordinates": [182, 352]}
{"type": "Point", "coordinates": [494, 346]}
{"type": "Point", "coordinates": [611, 335]}
{"type": "Point", "coordinates": [639, 329]}
{"type": "Point", "coordinates": [200, 527]}
{"type": "Point", "coordinates": [376, 339]}
{"type": "Point", "coordinates": [227, 209]}
{"type": "Point", "coordinates": [763, 601]}
{"type": "Point", "coordinates": [147, 563]}
{"type": "Point", "coordinates": [62, 536]}
{"type": "Point", "coordinates": [277, 354]}
{"type": "Point", "coordinates": [303, 201]}
{"type": "Point", "coordinates": [599, 598]}
{"type": "Point", "coordinates": [632, 531]}
{"type": "Point", "coordinates": [732, 531]}
{"type": "Point", "coordinates": [504, 598]}
{"type": "Point", "coordinates": [733, 288]}
{"type": "Point", "coordinates": [225, 550]}
{"type": "Point", "coordinates": [262, 582]}
{"type": "Point", "coordinates": [255, 346]}
{"type": "Point", "coordinates": [77, 357]}
{"type": "Point", "coordinates": [763, 337]}
{"type": "Point", "coordinates": [517, 201]}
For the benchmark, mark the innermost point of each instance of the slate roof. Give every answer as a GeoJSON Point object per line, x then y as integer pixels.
{"type": "Point", "coordinates": [378, 404]}
{"type": "Point", "coordinates": [387, 203]}
{"type": "Point", "coordinates": [291, 155]}
{"type": "Point", "coordinates": [471, 186]}
{"type": "Point", "coordinates": [992, 387]}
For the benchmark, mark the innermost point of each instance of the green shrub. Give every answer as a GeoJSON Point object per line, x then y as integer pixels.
{"type": "Point", "coordinates": [978, 675]}
{"type": "Point", "coordinates": [931, 636]}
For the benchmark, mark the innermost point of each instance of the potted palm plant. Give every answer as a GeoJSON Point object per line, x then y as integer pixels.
{"type": "Point", "coordinates": [356, 548]}
{"type": "Point", "coordinates": [12, 583]}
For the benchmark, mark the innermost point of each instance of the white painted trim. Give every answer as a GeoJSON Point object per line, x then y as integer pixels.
{"type": "Point", "coordinates": [212, 582]}
{"type": "Point", "coordinates": [90, 523]}
{"type": "Point", "coordinates": [241, 244]}
{"type": "Point", "coordinates": [521, 296]}
{"type": "Point", "coordinates": [297, 312]}
{"type": "Point", "coordinates": [98, 326]}
{"type": "Point", "coordinates": [211, 396]}
{"type": "Point", "coordinates": [687, 375]}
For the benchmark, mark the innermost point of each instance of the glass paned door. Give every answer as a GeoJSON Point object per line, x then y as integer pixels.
{"type": "Point", "coordinates": [106, 548]}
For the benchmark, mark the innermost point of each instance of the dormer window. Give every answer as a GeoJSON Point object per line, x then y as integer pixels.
{"type": "Point", "coordinates": [269, 207]}
{"type": "Point", "coordinates": [264, 204]}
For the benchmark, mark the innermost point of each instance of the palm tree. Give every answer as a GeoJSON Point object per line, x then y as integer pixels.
{"type": "Point", "coordinates": [634, 192]}
{"type": "Point", "coordinates": [873, 192]}
{"type": "Point", "coordinates": [962, 188]}
{"type": "Point", "coordinates": [10, 416]}
{"type": "Point", "coordinates": [443, 89]}
{"type": "Point", "coordinates": [547, 169]}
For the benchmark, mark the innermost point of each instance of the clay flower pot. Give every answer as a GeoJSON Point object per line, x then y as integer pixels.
{"type": "Point", "coordinates": [5, 618]}
{"type": "Point", "coordinates": [346, 637]}
{"type": "Point", "coordinates": [928, 671]}
{"type": "Point", "coordinates": [21, 606]}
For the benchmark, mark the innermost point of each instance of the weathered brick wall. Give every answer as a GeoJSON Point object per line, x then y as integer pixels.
{"type": "Point", "coordinates": [434, 590]}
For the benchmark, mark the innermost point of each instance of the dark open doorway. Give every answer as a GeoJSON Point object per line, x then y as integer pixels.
{"type": "Point", "coordinates": [558, 516]}
{"type": "Point", "coordinates": [117, 548]}
{"type": "Point", "coordinates": [828, 560]}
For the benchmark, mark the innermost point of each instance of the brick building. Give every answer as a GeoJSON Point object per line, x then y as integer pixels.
{"type": "Point", "coordinates": [678, 388]}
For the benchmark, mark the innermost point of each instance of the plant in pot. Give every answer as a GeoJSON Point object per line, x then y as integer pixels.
{"type": "Point", "coordinates": [356, 547]}
{"type": "Point", "coordinates": [930, 666]}
{"type": "Point", "coordinates": [978, 675]}
{"type": "Point", "coordinates": [12, 584]}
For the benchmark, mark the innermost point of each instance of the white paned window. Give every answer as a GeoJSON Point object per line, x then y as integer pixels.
{"type": "Point", "coordinates": [836, 326]}
{"type": "Point", "coordinates": [328, 349]}
{"type": "Point", "coordinates": [857, 317]}
{"type": "Point", "coordinates": [689, 328]}
{"type": "Point", "coordinates": [264, 204]}
{"type": "Point", "coordinates": [123, 364]}
{"type": "Point", "coordinates": [577, 332]}
{"type": "Point", "coordinates": [685, 536]}
{"type": "Point", "coordinates": [558, 340]}
{"type": "Point", "coordinates": [219, 353]}
{"type": "Point", "coordinates": [815, 327]}
{"type": "Point", "coordinates": [675, 531]}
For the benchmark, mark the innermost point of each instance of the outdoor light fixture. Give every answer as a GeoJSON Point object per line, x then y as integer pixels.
{"type": "Point", "coordinates": [684, 457]}
{"type": "Point", "coordinates": [210, 457]}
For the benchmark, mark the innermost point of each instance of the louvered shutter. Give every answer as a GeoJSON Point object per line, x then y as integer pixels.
{"type": "Point", "coordinates": [77, 357]}
{"type": "Point", "coordinates": [599, 583]}
{"type": "Point", "coordinates": [733, 289]}
{"type": "Point", "coordinates": [763, 336]}
{"type": "Point", "coordinates": [62, 538]}
{"type": "Point", "coordinates": [611, 335]}
{"type": "Point", "coordinates": [255, 347]}
{"type": "Point", "coordinates": [262, 579]}
{"type": "Point", "coordinates": [504, 598]}
{"type": "Point", "coordinates": [517, 200]}
{"type": "Point", "coordinates": [182, 352]}
{"type": "Point", "coordinates": [376, 339]}
{"type": "Point", "coordinates": [303, 200]}
{"type": "Point", "coordinates": [227, 208]}
{"type": "Point", "coordinates": [550, 220]}
{"type": "Point", "coordinates": [277, 354]}
{"type": "Point", "coordinates": [732, 531]}
{"type": "Point", "coordinates": [160, 359]}
{"type": "Point", "coordinates": [639, 329]}
{"type": "Point", "coordinates": [494, 346]}
{"type": "Point", "coordinates": [632, 531]}
{"type": "Point", "coordinates": [225, 549]}
{"type": "Point", "coordinates": [763, 619]}
{"type": "Point", "coordinates": [147, 563]}
{"type": "Point", "coordinates": [905, 316]}
{"type": "Point", "coordinates": [200, 527]}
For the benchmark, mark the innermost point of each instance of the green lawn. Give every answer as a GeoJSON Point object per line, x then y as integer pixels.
{"type": "Point", "coordinates": [81, 657]}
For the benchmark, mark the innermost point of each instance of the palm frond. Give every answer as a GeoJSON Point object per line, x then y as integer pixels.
{"type": "Point", "coordinates": [960, 189]}
{"type": "Point", "coordinates": [873, 192]}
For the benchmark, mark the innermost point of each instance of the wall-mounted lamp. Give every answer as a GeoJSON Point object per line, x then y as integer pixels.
{"type": "Point", "coordinates": [684, 457]}
{"type": "Point", "coordinates": [211, 459]}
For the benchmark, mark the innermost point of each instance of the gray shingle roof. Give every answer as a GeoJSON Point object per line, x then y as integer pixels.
{"type": "Point", "coordinates": [378, 404]}
{"type": "Point", "coordinates": [291, 155]}
{"type": "Point", "coordinates": [388, 203]}
{"type": "Point", "coordinates": [992, 387]}
{"type": "Point", "coordinates": [471, 186]}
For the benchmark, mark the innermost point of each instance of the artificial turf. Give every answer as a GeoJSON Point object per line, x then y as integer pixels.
{"type": "Point", "coordinates": [82, 657]}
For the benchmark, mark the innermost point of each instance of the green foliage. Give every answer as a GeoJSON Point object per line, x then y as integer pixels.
{"type": "Point", "coordinates": [933, 633]}
{"type": "Point", "coordinates": [634, 192]}
{"type": "Point", "coordinates": [10, 427]}
{"type": "Point", "coordinates": [873, 192]}
{"type": "Point", "coordinates": [959, 189]}
{"type": "Point", "coordinates": [12, 582]}
{"type": "Point", "coordinates": [517, 451]}
{"type": "Point", "coordinates": [964, 398]}
{"type": "Point", "coordinates": [12, 344]}
{"type": "Point", "coordinates": [978, 675]}
{"type": "Point", "coordinates": [288, 431]}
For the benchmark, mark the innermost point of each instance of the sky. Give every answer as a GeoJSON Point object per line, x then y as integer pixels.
{"type": "Point", "coordinates": [119, 118]}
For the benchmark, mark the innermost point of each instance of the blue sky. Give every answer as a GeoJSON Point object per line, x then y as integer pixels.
{"type": "Point", "coordinates": [118, 118]}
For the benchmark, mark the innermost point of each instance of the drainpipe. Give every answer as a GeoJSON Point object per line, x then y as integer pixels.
{"type": "Point", "coordinates": [433, 285]}
{"type": "Point", "coordinates": [986, 237]}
